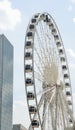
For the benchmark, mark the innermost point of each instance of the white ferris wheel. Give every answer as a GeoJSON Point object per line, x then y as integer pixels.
{"type": "Point", "coordinates": [47, 78]}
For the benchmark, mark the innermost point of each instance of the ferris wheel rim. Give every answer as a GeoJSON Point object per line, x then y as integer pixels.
{"type": "Point", "coordinates": [39, 15]}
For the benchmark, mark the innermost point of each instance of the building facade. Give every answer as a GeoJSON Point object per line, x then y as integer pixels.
{"type": "Point", "coordinates": [6, 83]}
{"type": "Point", "coordinates": [18, 127]}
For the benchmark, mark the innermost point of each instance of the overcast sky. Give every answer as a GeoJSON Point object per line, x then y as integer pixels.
{"type": "Point", "coordinates": [14, 18]}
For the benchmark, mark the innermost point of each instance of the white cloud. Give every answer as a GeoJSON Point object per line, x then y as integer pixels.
{"type": "Point", "coordinates": [74, 20]}
{"type": "Point", "coordinates": [9, 17]}
{"type": "Point", "coordinates": [73, 1]}
{"type": "Point", "coordinates": [70, 8]}
{"type": "Point", "coordinates": [71, 53]}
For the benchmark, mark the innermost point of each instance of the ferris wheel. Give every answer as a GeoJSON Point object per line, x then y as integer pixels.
{"type": "Point", "coordinates": [47, 78]}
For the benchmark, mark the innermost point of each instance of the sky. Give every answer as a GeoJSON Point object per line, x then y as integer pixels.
{"type": "Point", "coordinates": [14, 18]}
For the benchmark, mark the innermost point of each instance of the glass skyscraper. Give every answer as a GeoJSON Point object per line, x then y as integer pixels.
{"type": "Point", "coordinates": [6, 83]}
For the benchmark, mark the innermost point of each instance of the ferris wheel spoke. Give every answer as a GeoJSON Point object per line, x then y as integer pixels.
{"type": "Point", "coordinates": [45, 41]}
{"type": "Point", "coordinates": [46, 91]}
{"type": "Point", "coordinates": [43, 49]}
{"type": "Point", "coordinates": [38, 76]}
{"type": "Point", "coordinates": [40, 58]}
{"type": "Point", "coordinates": [67, 107]}
{"type": "Point", "coordinates": [39, 40]}
{"type": "Point", "coordinates": [56, 120]}
{"type": "Point", "coordinates": [43, 57]}
{"type": "Point", "coordinates": [40, 102]}
{"type": "Point", "coordinates": [39, 69]}
{"type": "Point", "coordinates": [45, 54]}
{"type": "Point", "coordinates": [51, 52]}
{"type": "Point", "coordinates": [45, 109]}
{"type": "Point", "coordinates": [42, 32]}
{"type": "Point", "coordinates": [66, 113]}
{"type": "Point", "coordinates": [49, 122]}
{"type": "Point", "coordinates": [62, 111]}
{"type": "Point", "coordinates": [48, 72]}
{"type": "Point", "coordinates": [38, 37]}
{"type": "Point", "coordinates": [52, 117]}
